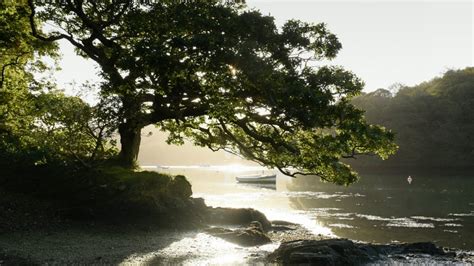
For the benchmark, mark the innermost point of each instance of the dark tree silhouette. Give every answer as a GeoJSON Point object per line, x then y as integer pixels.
{"type": "Point", "coordinates": [224, 77]}
{"type": "Point", "coordinates": [432, 122]}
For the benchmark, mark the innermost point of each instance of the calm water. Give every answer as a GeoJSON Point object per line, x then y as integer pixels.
{"type": "Point", "coordinates": [378, 209]}
{"type": "Point", "coordinates": [387, 209]}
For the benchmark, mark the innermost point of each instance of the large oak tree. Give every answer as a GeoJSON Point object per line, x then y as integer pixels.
{"type": "Point", "coordinates": [225, 77]}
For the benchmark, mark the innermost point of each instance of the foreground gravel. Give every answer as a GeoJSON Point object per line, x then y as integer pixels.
{"type": "Point", "coordinates": [80, 246]}
{"type": "Point", "coordinates": [96, 245]}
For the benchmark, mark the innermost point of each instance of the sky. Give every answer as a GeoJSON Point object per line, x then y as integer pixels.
{"type": "Point", "coordinates": [384, 42]}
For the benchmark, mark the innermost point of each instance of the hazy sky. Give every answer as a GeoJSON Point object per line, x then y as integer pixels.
{"type": "Point", "coordinates": [390, 41]}
{"type": "Point", "coordinates": [383, 41]}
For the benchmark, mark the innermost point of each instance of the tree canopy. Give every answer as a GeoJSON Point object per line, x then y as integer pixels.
{"type": "Point", "coordinates": [432, 121]}
{"type": "Point", "coordinates": [225, 77]}
{"type": "Point", "coordinates": [38, 123]}
{"type": "Point", "coordinates": [19, 53]}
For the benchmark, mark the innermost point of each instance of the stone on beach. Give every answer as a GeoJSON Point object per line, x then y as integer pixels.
{"type": "Point", "coordinates": [346, 252]}
{"type": "Point", "coordinates": [242, 217]}
{"type": "Point", "coordinates": [253, 235]}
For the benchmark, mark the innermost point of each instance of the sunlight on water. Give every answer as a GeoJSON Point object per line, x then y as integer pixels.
{"type": "Point", "coordinates": [453, 225]}
{"type": "Point", "coordinates": [232, 200]}
{"type": "Point", "coordinates": [233, 168]}
{"type": "Point", "coordinates": [401, 221]}
{"type": "Point", "coordinates": [462, 214]}
{"type": "Point", "coordinates": [435, 219]}
{"type": "Point", "coordinates": [359, 212]}
{"type": "Point", "coordinates": [148, 166]}
{"type": "Point", "coordinates": [323, 195]}
{"type": "Point", "coordinates": [451, 231]}
{"type": "Point", "coordinates": [245, 200]}
{"type": "Point", "coordinates": [341, 225]}
{"type": "Point", "coordinates": [299, 218]}
{"type": "Point", "coordinates": [405, 222]}
{"type": "Point", "coordinates": [221, 190]}
{"type": "Point", "coordinates": [216, 184]}
{"type": "Point", "coordinates": [236, 168]}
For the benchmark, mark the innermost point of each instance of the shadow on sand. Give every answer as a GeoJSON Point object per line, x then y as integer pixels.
{"type": "Point", "coordinates": [87, 246]}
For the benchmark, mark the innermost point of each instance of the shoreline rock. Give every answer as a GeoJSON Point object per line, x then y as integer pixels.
{"type": "Point", "coordinates": [253, 235]}
{"type": "Point", "coordinates": [237, 216]}
{"type": "Point", "coordinates": [346, 252]}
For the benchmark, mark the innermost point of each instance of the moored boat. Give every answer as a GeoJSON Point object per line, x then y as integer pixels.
{"type": "Point", "coordinates": [258, 179]}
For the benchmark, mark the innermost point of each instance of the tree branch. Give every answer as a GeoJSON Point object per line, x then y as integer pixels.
{"type": "Point", "coordinates": [266, 139]}
{"type": "Point", "coordinates": [354, 153]}
{"type": "Point", "coordinates": [34, 30]}
{"type": "Point", "coordinates": [12, 63]}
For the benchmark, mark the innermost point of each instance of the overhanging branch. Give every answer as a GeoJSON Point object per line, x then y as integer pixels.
{"type": "Point", "coordinates": [34, 30]}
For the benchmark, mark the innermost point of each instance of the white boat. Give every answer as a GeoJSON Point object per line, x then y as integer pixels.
{"type": "Point", "coordinates": [257, 179]}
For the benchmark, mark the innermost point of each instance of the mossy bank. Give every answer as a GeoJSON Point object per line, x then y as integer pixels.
{"type": "Point", "coordinates": [39, 196]}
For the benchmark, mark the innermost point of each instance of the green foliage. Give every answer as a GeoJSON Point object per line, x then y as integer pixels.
{"type": "Point", "coordinates": [71, 131]}
{"type": "Point", "coordinates": [432, 121]}
{"type": "Point", "coordinates": [139, 186]}
{"type": "Point", "coordinates": [117, 185]}
{"type": "Point", "coordinates": [225, 77]}
{"type": "Point", "coordinates": [17, 46]}
{"type": "Point", "coordinates": [38, 124]}
{"type": "Point", "coordinates": [19, 58]}
{"type": "Point", "coordinates": [51, 144]}
{"type": "Point", "coordinates": [59, 130]}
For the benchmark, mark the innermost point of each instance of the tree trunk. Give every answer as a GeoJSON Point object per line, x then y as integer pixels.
{"type": "Point", "coordinates": [130, 141]}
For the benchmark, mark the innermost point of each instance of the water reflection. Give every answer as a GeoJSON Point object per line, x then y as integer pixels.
{"type": "Point", "coordinates": [217, 185]}
{"type": "Point", "coordinates": [378, 209]}
{"type": "Point", "coordinates": [387, 209]}
{"type": "Point", "coordinates": [255, 185]}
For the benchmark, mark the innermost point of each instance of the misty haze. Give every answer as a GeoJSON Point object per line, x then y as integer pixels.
{"type": "Point", "coordinates": [236, 132]}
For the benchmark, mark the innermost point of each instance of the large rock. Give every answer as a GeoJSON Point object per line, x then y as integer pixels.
{"type": "Point", "coordinates": [322, 252]}
{"type": "Point", "coordinates": [180, 187]}
{"type": "Point", "coordinates": [253, 235]}
{"type": "Point", "coordinates": [242, 217]}
{"type": "Point", "coordinates": [421, 247]}
{"type": "Point", "coordinates": [185, 214]}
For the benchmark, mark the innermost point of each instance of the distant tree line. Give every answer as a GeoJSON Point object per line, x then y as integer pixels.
{"type": "Point", "coordinates": [433, 123]}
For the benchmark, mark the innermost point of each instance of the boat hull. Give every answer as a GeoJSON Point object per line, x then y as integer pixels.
{"type": "Point", "coordinates": [269, 179]}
